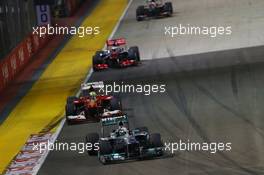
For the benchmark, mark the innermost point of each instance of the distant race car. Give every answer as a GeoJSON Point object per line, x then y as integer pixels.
{"type": "Point", "coordinates": [123, 144]}
{"type": "Point", "coordinates": [154, 8]}
{"type": "Point", "coordinates": [91, 105]}
{"type": "Point", "coordinates": [116, 55]}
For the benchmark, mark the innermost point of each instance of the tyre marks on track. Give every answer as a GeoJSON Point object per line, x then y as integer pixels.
{"type": "Point", "coordinates": [182, 104]}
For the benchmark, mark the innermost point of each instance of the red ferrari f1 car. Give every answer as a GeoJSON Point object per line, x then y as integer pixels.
{"type": "Point", "coordinates": [116, 55]}
{"type": "Point", "coordinates": [91, 106]}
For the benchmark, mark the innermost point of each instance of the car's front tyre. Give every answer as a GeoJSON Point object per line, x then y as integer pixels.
{"type": "Point", "coordinates": [140, 12]}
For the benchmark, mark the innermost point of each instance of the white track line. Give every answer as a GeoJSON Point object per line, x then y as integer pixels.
{"type": "Point", "coordinates": [120, 19]}
{"type": "Point", "coordinates": [79, 92]}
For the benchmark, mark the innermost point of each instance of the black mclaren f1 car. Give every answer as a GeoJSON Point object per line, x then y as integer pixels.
{"type": "Point", "coordinates": [154, 9]}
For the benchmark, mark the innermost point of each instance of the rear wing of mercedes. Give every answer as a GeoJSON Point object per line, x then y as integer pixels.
{"type": "Point", "coordinates": [112, 123]}
{"type": "Point", "coordinates": [114, 120]}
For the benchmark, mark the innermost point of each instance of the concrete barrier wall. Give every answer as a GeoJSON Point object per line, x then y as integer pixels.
{"type": "Point", "coordinates": [18, 58]}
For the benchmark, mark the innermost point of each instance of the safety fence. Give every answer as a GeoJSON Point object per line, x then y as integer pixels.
{"type": "Point", "coordinates": [15, 61]}
{"type": "Point", "coordinates": [20, 55]}
{"type": "Point", "coordinates": [73, 5]}
{"type": "Point", "coordinates": [16, 21]}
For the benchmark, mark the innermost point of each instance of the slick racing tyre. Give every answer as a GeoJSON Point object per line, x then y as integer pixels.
{"type": "Point", "coordinates": [70, 107]}
{"type": "Point", "coordinates": [70, 111]}
{"type": "Point", "coordinates": [97, 59]}
{"type": "Point", "coordinates": [133, 53]}
{"type": "Point", "coordinates": [168, 8]}
{"type": "Point", "coordinates": [93, 139]}
{"type": "Point", "coordinates": [155, 140]}
{"type": "Point", "coordinates": [71, 99]}
{"type": "Point", "coordinates": [115, 104]}
{"type": "Point", "coordinates": [140, 12]}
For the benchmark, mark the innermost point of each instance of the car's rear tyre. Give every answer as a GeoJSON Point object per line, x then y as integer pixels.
{"type": "Point", "coordinates": [93, 139]}
{"type": "Point", "coordinates": [71, 99]}
{"type": "Point", "coordinates": [168, 8]}
{"type": "Point", "coordinates": [155, 140]}
{"type": "Point", "coordinates": [70, 109]}
{"type": "Point", "coordinates": [133, 53]}
{"type": "Point", "coordinates": [97, 59]}
{"type": "Point", "coordinates": [140, 12]}
{"type": "Point", "coordinates": [143, 129]}
{"type": "Point", "coordinates": [115, 104]}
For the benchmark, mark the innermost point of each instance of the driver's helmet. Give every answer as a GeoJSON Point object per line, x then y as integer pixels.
{"type": "Point", "coordinates": [120, 124]}
{"type": "Point", "coordinates": [93, 95]}
{"type": "Point", "coordinates": [121, 130]}
{"type": "Point", "coordinates": [114, 49]}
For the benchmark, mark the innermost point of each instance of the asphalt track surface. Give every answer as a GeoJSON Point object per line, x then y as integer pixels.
{"type": "Point", "coordinates": [210, 97]}
{"type": "Point", "coordinates": [246, 18]}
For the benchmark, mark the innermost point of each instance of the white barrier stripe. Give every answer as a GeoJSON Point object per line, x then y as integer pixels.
{"type": "Point", "coordinates": [55, 136]}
